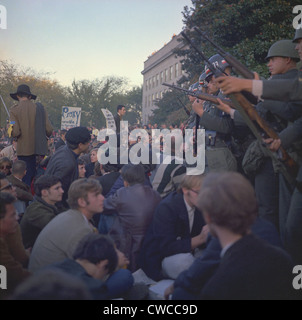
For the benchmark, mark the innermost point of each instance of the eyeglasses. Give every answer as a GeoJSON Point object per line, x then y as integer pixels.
{"type": "Point", "coordinates": [5, 167]}
{"type": "Point", "coordinates": [9, 186]}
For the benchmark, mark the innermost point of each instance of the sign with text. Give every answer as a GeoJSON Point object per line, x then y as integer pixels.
{"type": "Point", "coordinates": [110, 123]}
{"type": "Point", "coordinates": [71, 117]}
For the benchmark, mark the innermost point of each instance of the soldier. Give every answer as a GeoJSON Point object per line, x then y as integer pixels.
{"type": "Point", "coordinates": [191, 122]}
{"type": "Point", "coordinates": [218, 124]}
{"type": "Point", "coordinates": [282, 63]}
{"type": "Point", "coordinates": [283, 90]}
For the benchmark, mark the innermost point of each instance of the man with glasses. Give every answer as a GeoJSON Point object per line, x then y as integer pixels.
{"type": "Point", "coordinates": [176, 233]}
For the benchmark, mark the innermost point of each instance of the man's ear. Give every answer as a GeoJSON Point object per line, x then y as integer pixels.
{"type": "Point", "coordinates": [44, 193]}
{"type": "Point", "coordinates": [82, 202]}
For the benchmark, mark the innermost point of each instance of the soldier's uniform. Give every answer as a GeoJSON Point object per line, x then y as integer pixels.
{"type": "Point", "coordinates": [290, 90]}
{"type": "Point", "coordinates": [273, 203]}
{"type": "Point", "coordinates": [218, 129]}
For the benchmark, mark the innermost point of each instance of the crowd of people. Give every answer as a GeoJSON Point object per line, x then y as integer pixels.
{"type": "Point", "coordinates": [231, 232]}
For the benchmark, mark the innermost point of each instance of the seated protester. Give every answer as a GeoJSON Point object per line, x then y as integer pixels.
{"type": "Point", "coordinates": [63, 163]}
{"type": "Point", "coordinates": [16, 273]}
{"type": "Point", "coordinates": [81, 167]}
{"type": "Point", "coordinates": [109, 177]}
{"type": "Point", "coordinates": [6, 166]}
{"type": "Point", "coordinates": [175, 233]}
{"type": "Point", "coordinates": [61, 235]}
{"type": "Point", "coordinates": [167, 175]}
{"type": "Point", "coordinates": [48, 192]}
{"type": "Point", "coordinates": [135, 204]}
{"type": "Point", "coordinates": [51, 284]}
{"type": "Point", "coordinates": [250, 268]}
{"type": "Point", "coordinates": [24, 194]}
{"type": "Point", "coordinates": [97, 263]}
{"type": "Point", "coordinates": [10, 151]}
{"type": "Point", "coordinates": [14, 240]}
{"type": "Point", "coordinates": [62, 140]}
{"type": "Point", "coordinates": [91, 165]}
{"type": "Point", "coordinates": [190, 282]}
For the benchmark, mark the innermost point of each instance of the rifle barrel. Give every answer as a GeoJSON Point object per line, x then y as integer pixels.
{"type": "Point", "coordinates": [201, 96]}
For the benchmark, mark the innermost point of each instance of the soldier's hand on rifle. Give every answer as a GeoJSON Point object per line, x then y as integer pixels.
{"type": "Point", "coordinates": [198, 107]}
{"type": "Point", "coordinates": [232, 84]}
{"type": "Point", "coordinates": [224, 107]}
{"type": "Point", "coordinates": [275, 144]}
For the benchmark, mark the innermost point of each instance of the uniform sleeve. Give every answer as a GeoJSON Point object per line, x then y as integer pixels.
{"type": "Point", "coordinates": [222, 124]}
{"type": "Point", "coordinates": [284, 90]}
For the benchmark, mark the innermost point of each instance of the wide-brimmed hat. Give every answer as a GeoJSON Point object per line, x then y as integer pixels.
{"type": "Point", "coordinates": [23, 89]}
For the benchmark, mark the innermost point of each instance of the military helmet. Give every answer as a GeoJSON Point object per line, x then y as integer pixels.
{"type": "Point", "coordinates": [283, 48]}
{"type": "Point", "coordinates": [218, 62]}
{"type": "Point", "coordinates": [194, 87]}
{"type": "Point", "coordinates": [298, 35]}
{"type": "Point", "coordinates": [202, 80]}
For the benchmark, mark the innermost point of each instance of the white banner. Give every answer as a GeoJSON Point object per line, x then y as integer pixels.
{"type": "Point", "coordinates": [110, 123]}
{"type": "Point", "coordinates": [71, 117]}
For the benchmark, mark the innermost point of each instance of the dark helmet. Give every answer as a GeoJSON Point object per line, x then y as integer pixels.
{"type": "Point", "coordinates": [202, 80]}
{"type": "Point", "coordinates": [194, 87]}
{"type": "Point", "coordinates": [283, 48]}
{"type": "Point", "coordinates": [218, 62]}
{"type": "Point", "coordinates": [298, 35]}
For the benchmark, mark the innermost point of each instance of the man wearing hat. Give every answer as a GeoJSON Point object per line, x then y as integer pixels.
{"type": "Point", "coordinates": [63, 164]}
{"type": "Point", "coordinates": [31, 127]}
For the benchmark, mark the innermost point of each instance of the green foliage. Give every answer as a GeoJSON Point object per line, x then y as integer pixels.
{"type": "Point", "coordinates": [172, 105]}
{"type": "Point", "coordinates": [245, 28]}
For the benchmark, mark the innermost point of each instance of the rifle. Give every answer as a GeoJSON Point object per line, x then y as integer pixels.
{"type": "Point", "coordinates": [231, 60]}
{"type": "Point", "coordinates": [201, 96]}
{"type": "Point", "coordinates": [287, 165]}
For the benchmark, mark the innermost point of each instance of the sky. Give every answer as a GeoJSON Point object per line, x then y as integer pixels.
{"type": "Point", "coordinates": [88, 39]}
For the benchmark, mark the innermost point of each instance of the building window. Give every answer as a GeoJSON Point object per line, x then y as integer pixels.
{"type": "Point", "coordinates": [171, 73]}
{"type": "Point", "coordinates": [157, 79]}
{"type": "Point", "coordinates": [162, 77]}
{"type": "Point", "coordinates": [176, 70]}
{"type": "Point", "coordinates": [153, 84]}
{"type": "Point", "coordinates": [166, 75]}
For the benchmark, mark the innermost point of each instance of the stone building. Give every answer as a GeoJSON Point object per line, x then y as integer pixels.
{"type": "Point", "coordinates": [161, 66]}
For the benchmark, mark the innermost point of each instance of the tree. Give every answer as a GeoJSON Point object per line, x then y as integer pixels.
{"type": "Point", "coordinates": [134, 105]}
{"type": "Point", "coordinates": [49, 92]}
{"type": "Point", "coordinates": [245, 28]}
{"type": "Point", "coordinates": [171, 104]}
{"type": "Point", "coordinates": [92, 96]}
